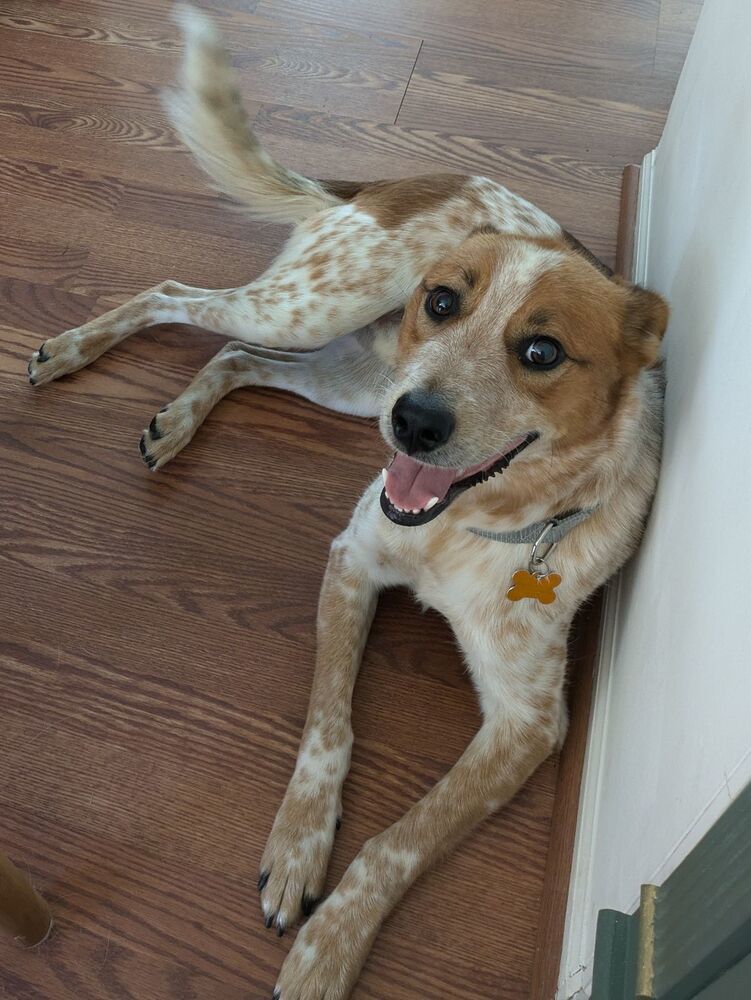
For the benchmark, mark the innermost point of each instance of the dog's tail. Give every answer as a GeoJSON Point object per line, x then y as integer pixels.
{"type": "Point", "coordinates": [208, 114]}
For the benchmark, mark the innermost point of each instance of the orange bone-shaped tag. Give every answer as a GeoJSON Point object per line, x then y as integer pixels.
{"type": "Point", "coordinates": [538, 588]}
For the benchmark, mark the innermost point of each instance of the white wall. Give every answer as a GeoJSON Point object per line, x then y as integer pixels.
{"type": "Point", "coordinates": [670, 744]}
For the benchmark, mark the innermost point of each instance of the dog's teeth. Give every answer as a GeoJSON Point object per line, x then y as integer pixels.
{"type": "Point", "coordinates": [384, 473]}
{"type": "Point", "coordinates": [416, 510]}
{"type": "Point", "coordinates": [431, 503]}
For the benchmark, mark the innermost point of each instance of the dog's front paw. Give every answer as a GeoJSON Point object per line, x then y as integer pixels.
{"type": "Point", "coordinates": [328, 954]}
{"type": "Point", "coordinates": [169, 431]}
{"type": "Point", "coordinates": [294, 864]}
{"type": "Point", "coordinates": [54, 358]}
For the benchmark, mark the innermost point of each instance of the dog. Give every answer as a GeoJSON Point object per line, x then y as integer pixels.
{"type": "Point", "coordinates": [516, 385]}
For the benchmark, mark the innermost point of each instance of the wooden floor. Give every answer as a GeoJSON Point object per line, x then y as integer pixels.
{"type": "Point", "coordinates": [156, 631]}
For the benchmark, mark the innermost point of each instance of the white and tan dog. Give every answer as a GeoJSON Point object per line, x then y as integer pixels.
{"type": "Point", "coordinates": [488, 344]}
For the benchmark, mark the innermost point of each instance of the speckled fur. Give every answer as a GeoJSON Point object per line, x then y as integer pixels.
{"type": "Point", "coordinates": [339, 318]}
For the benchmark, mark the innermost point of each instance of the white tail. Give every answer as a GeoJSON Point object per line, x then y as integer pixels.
{"type": "Point", "coordinates": [207, 112]}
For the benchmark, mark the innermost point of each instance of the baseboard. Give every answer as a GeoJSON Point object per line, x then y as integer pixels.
{"type": "Point", "coordinates": [639, 268]}
{"type": "Point", "coordinates": [575, 974]}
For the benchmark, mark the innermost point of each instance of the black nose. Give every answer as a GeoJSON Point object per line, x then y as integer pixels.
{"type": "Point", "coordinates": [421, 421]}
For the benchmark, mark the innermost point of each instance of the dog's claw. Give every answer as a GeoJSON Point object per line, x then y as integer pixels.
{"type": "Point", "coordinates": [268, 921]}
{"type": "Point", "coordinates": [263, 881]}
{"type": "Point", "coordinates": [148, 459]}
{"type": "Point", "coordinates": [276, 994]}
{"type": "Point", "coordinates": [154, 430]}
{"type": "Point", "coordinates": [41, 356]}
{"type": "Point", "coordinates": [338, 823]}
{"type": "Point", "coordinates": [309, 903]}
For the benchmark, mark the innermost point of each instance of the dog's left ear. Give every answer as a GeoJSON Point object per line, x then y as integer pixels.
{"type": "Point", "coordinates": [645, 319]}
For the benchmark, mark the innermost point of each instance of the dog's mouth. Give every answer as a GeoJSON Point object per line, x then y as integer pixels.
{"type": "Point", "coordinates": [414, 493]}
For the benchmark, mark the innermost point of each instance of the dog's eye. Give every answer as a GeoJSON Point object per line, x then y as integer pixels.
{"type": "Point", "coordinates": [542, 353]}
{"type": "Point", "coordinates": [441, 302]}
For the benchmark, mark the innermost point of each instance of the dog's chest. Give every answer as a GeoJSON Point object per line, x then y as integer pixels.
{"type": "Point", "coordinates": [462, 572]}
{"type": "Point", "coordinates": [446, 566]}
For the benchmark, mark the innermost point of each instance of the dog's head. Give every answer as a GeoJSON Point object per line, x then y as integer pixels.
{"type": "Point", "coordinates": [509, 345]}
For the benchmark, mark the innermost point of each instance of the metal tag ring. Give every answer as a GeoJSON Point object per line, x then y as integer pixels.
{"type": "Point", "coordinates": [537, 562]}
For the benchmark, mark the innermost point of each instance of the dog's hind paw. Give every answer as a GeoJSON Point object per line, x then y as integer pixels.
{"type": "Point", "coordinates": [167, 434]}
{"type": "Point", "coordinates": [54, 358]}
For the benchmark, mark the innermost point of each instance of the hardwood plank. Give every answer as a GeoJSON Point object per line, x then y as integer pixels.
{"type": "Point", "coordinates": [105, 75]}
{"type": "Point", "coordinates": [600, 34]}
{"type": "Point", "coordinates": [56, 185]}
{"type": "Point", "coordinates": [39, 310]}
{"type": "Point", "coordinates": [318, 66]}
{"type": "Point", "coordinates": [39, 259]}
{"type": "Point", "coordinates": [568, 111]}
{"type": "Point", "coordinates": [132, 146]}
{"type": "Point", "coordinates": [123, 257]}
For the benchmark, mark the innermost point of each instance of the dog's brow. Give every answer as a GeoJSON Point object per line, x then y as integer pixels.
{"type": "Point", "coordinates": [539, 318]}
{"type": "Point", "coordinates": [469, 276]}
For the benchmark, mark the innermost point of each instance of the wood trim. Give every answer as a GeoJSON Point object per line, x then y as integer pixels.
{"type": "Point", "coordinates": [583, 654]}
{"type": "Point", "coordinates": [624, 250]}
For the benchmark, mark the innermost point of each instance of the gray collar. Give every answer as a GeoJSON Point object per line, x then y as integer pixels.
{"type": "Point", "coordinates": [557, 528]}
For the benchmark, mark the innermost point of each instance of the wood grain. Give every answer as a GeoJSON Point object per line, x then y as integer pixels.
{"type": "Point", "coordinates": [593, 34]}
{"type": "Point", "coordinates": [572, 110]}
{"type": "Point", "coordinates": [157, 630]}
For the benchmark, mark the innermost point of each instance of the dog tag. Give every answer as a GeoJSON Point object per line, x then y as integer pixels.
{"type": "Point", "coordinates": [536, 588]}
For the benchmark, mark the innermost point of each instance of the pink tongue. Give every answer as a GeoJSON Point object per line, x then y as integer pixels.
{"type": "Point", "coordinates": [410, 484]}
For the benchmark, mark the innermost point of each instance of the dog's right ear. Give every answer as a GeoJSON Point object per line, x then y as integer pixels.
{"type": "Point", "coordinates": [645, 320]}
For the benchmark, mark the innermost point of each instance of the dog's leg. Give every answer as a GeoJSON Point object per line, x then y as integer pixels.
{"type": "Point", "coordinates": [349, 375]}
{"type": "Point", "coordinates": [520, 729]}
{"type": "Point", "coordinates": [169, 302]}
{"type": "Point", "coordinates": [339, 272]}
{"type": "Point", "coordinates": [293, 868]}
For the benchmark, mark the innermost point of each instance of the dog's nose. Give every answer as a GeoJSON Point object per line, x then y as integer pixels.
{"type": "Point", "coordinates": [421, 422]}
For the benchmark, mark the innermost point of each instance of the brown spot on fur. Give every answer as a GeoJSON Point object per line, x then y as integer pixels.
{"type": "Point", "coordinates": [320, 258]}
{"type": "Point", "coordinates": [346, 190]}
{"type": "Point", "coordinates": [392, 203]}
